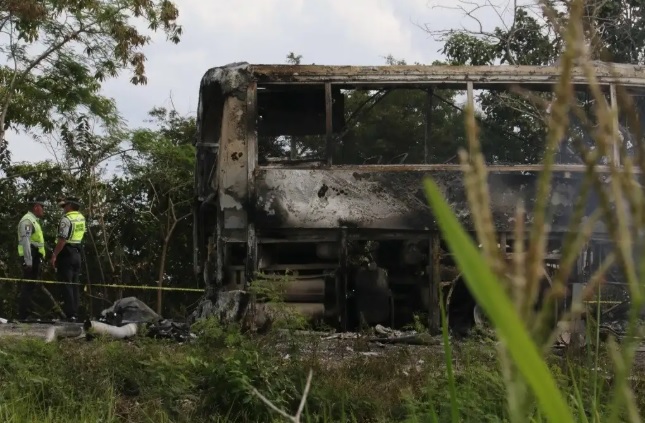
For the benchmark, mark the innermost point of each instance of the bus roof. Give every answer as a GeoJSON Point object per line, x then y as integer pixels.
{"type": "Point", "coordinates": [482, 77]}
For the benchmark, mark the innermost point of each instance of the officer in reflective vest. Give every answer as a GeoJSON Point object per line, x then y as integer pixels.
{"type": "Point", "coordinates": [31, 249]}
{"type": "Point", "coordinates": [67, 254]}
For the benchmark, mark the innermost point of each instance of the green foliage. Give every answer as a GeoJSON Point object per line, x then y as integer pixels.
{"type": "Point", "coordinates": [528, 42]}
{"type": "Point", "coordinates": [96, 382]}
{"type": "Point", "coordinates": [270, 290]}
{"type": "Point", "coordinates": [491, 295]}
{"type": "Point", "coordinates": [395, 125]}
{"type": "Point", "coordinates": [45, 102]}
{"type": "Point", "coordinates": [207, 380]}
{"type": "Point", "coordinates": [59, 52]}
{"type": "Point", "coordinates": [491, 279]}
{"type": "Point", "coordinates": [293, 58]}
{"type": "Point", "coordinates": [387, 124]}
{"type": "Point", "coordinates": [240, 366]}
{"type": "Point", "coordinates": [145, 207]}
{"type": "Point", "coordinates": [464, 49]}
{"type": "Point", "coordinates": [382, 124]}
{"type": "Point", "coordinates": [210, 379]}
{"type": "Point", "coordinates": [479, 393]}
{"type": "Point", "coordinates": [513, 127]}
{"type": "Point", "coordinates": [130, 214]}
{"type": "Point", "coordinates": [619, 30]}
{"type": "Point", "coordinates": [38, 179]}
{"type": "Point", "coordinates": [157, 188]}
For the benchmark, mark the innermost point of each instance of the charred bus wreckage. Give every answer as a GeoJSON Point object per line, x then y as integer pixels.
{"type": "Point", "coordinates": [291, 177]}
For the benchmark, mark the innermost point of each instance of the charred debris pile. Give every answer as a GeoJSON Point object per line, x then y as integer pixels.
{"type": "Point", "coordinates": [129, 317]}
{"type": "Point", "coordinates": [126, 318]}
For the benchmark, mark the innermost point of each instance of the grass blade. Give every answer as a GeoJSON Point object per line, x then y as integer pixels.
{"type": "Point", "coordinates": [490, 295]}
{"type": "Point", "coordinates": [578, 398]}
{"type": "Point", "coordinates": [454, 409]}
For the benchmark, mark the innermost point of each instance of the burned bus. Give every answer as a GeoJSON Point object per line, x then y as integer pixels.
{"type": "Point", "coordinates": [315, 172]}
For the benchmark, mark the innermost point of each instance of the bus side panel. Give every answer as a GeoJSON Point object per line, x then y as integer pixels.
{"type": "Point", "coordinates": [327, 198]}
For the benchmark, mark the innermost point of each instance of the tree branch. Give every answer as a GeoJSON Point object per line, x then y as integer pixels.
{"type": "Point", "coordinates": [8, 94]}
{"type": "Point", "coordinates": [3, 22]}
{"type": "Point", "coordinates": [56, 304]}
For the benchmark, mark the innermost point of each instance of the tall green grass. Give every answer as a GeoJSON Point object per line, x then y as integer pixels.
{"type": "Point", "coordinates": [490, 294]}
{"type": "Point", "coordinates": [508, 301]}
{"type": "Point", "coordinates": [208, 381]}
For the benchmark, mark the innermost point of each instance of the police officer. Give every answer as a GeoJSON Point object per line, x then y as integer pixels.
{"type": "Point", "coordinates": [31, 249]}
{"type": "Point", "coordinates": [67, 254]}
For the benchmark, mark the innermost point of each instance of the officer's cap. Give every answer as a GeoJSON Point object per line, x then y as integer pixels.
{"type": "Point", "coordinates": [69, 200]}
{"type": "Point", "coordinates": [38, 200]}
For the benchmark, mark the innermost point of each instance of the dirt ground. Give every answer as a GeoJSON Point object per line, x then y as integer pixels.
{"type": "Point", "coordinates": [331, 348]}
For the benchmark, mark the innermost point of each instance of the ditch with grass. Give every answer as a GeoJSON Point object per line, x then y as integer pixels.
{"type": "Point", "coordinates": [211, 379]}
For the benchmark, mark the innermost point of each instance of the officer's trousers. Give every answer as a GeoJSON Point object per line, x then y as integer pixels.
{"type": "Point", "coordinates": [68, 269]}
{"type": "Point", "coordinates": [27, 288]}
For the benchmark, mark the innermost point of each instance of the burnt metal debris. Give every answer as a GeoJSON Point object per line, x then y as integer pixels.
{"type": "Point", "coordinates": [128, 310]}
{"type": "Point", "coordinates": [126, 318]}
{"type": "Point", "coordinates": [358, 241]}
{"type": "Point", "coordinates": [134, 312]}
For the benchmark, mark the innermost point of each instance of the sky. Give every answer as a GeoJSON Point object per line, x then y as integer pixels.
{"type": "Point", "coordinates": [331, 32]}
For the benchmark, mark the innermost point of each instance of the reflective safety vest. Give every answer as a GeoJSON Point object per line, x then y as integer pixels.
{"type": "Point", "coordinates": [78, 227]}
{"type": "Point", "coordinates": [37, 238]}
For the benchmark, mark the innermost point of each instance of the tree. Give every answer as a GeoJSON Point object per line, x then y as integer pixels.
{"type": "Point", "coordinates": [514, 127]}
{"type": "Point", "coordinates": [615, 32]}
{"type": "Point", "coordinates": [84, 160]}
{"type": "Point", "coordinates": [294, 59]}
{"type": "Point", "coordinates": [138, 226]}
{"type": "Point", "coordinates": [528, 39]}
{"type": "Point", "coordinates": [161, 171]}
{"type": "Point", "coordinates": [58, 52]}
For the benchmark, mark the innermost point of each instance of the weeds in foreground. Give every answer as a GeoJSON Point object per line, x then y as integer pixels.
{"type": "Point", "coordinates": [507, 291]}
{"type": "Point", "coordinates": [211, 380]}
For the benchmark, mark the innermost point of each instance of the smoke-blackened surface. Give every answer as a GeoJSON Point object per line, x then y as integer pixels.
{"type": "Point", "coordinates": [321, 198]}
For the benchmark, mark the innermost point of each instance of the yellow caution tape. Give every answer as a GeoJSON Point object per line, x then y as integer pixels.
{"type": "Point", "coordinates": [102, 285]}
